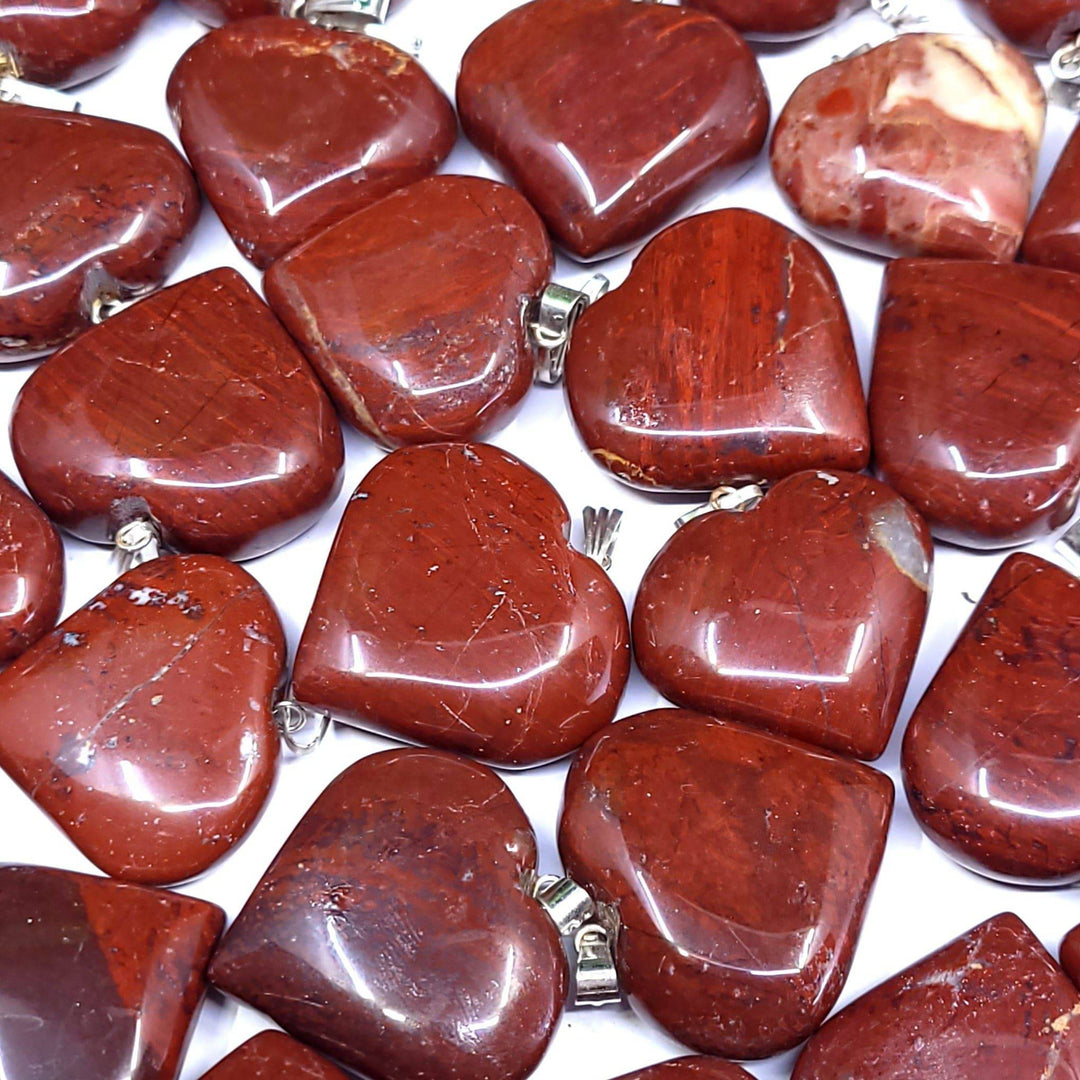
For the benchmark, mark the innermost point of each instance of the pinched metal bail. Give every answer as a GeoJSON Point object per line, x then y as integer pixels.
{"type": "Point", "coordinates": [14, 90]}
{"type": "Point", "coordinates": [1065, 67]}
{"type": "Point", "coordinates": [339, 14]}
{"type": "Point", "coordinates": [897, 13]}
{"type": "Point", "coordinates": [136, 542]}
{"type": "Point", "coordinates": [549, 322]}
{"type": "Point", "coordinates": [736, 499]}
{"type": "Point", "coordinates": [292, 719]}
{"type": "Point", "coordinates": [601, 532]}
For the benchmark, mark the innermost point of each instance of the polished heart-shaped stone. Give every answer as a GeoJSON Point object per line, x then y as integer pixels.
{"type": "Point", "coordinates": [454, 612]}
{"type": "Point", "coordinates": [926, 145]}
{"type": "Point", "coordinates": [100, 979]}
{"type": "Point", "coordinates": [1053, 233]}
{"type": "Point", "coordinates": [738, 864]}
{"type": "Point", "coordinates": [31, 571]}
{"type": "Point", "coordinates": [1037, 26]}
{"type": "Point", "coordinates": [975, 397]}
{"type": "Point", "coordinates": [726, 356]}
{"type": "Point", "coordinates": [157, 748]}
{"type": "Point", "coordinates": [393, 931]}
{"type": "Point", "coordinates": [65, 42]}
{"type": "Point", "coordinates": [992, 1005]}
{"type": "Point", "coordinates": [779, 20]}
{"type": "Point", "coordinates": [273, 1056]}
{"type": "Point", "coordinates": [193, 409]}
{"type": "Point", "coordinates": [291, 127]}
{"type": "Point", "coordinates": [989, 755]}
{"type": "Point", "coordinates": [802, 615]}
{"type": "Point", "coordinates": [699, 1068]}
{"type": "Point", "coordinates": [411, 310]}
{"type": "Point", "coordinates": [1070, 954]}
{"type": "Point", "coordinates": [610, 114]}
{"type": "Point", "coordinates": [91, 211]}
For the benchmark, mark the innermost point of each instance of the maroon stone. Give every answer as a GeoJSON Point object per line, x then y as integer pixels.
{"type": "Point", "coordinates": [142, 724]}
{"type": "Point", "coordinates": [739, 864]}
{"type": "Point", "coordinates": [65, 42]}
{"type": "Point", "coordinates": [1053, 234]}
{"type": "Point", "coordinates": [411, 310]}
{"type": "Point", "coordinates": [611, 114]}
{"type": "Point", "coordinates": [90, 210]}
{"type": "Point", "coordinates": [194, 407]}
{"type": "Point", "coordinates": [216, 12]}
{"type": "Point", "coordinates": [273, 1056]}
{"type": "Point", "coordinates": [1037, 26]}
{"type": "Point", "coordinates": [926, 145]}
{"type": "Point", "coordinates": [779, 20]}
{"type": "Point", "coordinates": [700, 1068]}
{"type": "Point", "coordinates": [392, 930]}
{"type": "Point", "coordinates": [809, 623]}
{"type": "Point", "coordinates": [31, 572]}
{"type": "Point", "coordinates": [972, 399]}
{"type": "Point", "coordinates": [991, 1005]}
{"type": "Point", "coordinates": [291, 127]}
{"type": "Point", "coordinates": [990, 755]}
{"type": "Point", "coordinates": [726, 356]}
{"type": "Point", "coordinates": [454, 612]}
{"type": "Point", "coordinates": [100, 980]}
{"type": "Point", "coordinates": [1070, 954]}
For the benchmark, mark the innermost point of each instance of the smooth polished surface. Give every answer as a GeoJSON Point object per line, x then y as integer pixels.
{"type": "Point", "coordinates": [65, 42]}
{"type": "Point", "coordinates": [975, 397]}
{"type": "Point", "coordinates": [216, 12]}
{"type": "Point", "coordinates": [779, 20]}
{"type": "Point", "coordinates": [194, 406]}
{"type": "Point", "coordinates": [31, 571]}
{"type": "Point", "coordinates": [610, 114]}
{"type": "Point", "coordinates": [454, 612]}
{"type": "Point", "coordinates": [411, 310]}
{"type": "Point", "coordinates": [739, 863]}
{"type": "Point", "coordinates": [291, 127]}
{"type": "Point", "coordinates": [100, 980]}
{"type": "Point", "coordinates": [926, 145]}
{"type": "Point", "coordinates": [1070, 954]}
{"type": "Point", "coordinates": [802, 615]}
{"type": "Point", "coordinates": [701, 1068]}
{"type": "Point", "coordinates": [991, 1005]}
{"type": "Point", "coordinates": [1037, 26]}
{"type": "Point", "coordinates": [392, 932]}
{"type": "Point", "coordinates": [271, 1055]}
{"type": "Point", "coordinates": [142, 723]}
{"type": "Point", "coordinates": [1053, 233]}
{"type": "Point", "coordinates": [725, 356]}
{"type": "Point", "coordinates": [989, 757]}
{"type": "Point", "coordinates": [89, 209]}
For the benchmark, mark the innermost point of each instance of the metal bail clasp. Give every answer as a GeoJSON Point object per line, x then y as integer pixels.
{"type": "Point", "coordinates": [339, 14]}
{"type": "Point", "coordinates": [737, 499]}
{"type": "Point", "coordinates": [17, 92]}
{"type": "Point", "coordinates": [292, 718]}
{"type": "Point", "coordinates": [136, 542]}
{"type": "Point", "coordinates": [601, 532]}
{"type": "Point", "coordinates": [1065, 67]}
{"type": "Point", "coordinates": [897, 13]}
{"type": "Point", "coordinates": [549, 322]}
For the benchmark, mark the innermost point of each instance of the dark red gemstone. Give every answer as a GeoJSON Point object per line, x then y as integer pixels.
{"type": "Point", "coordinates": [739, 864]}
{"type": "Point", "coordinates": [697, 1068]}
{"type": "Point", "coordinates": [1070, 954]}
{"type": "Point", "coordinates": [1053, 233]}
{"type": "Point", "coordinates": [392, 931]}
{"type": "Point", "coordinates": [725, 356]}
{"type": "Point", "coordinates": [273, 1056]}
{"type": "Point", "coordinates": [411, 310]}
{"type": "Point", "coordinates": [454, 612]}
{"type": "Point", "coordinates": [611, 114]}
{"type": "Point", "coordinates": [216, 12]}
{"type": "Point", "coordinates": [1038, 26]}
{"type": "Point", "coordinates": [779, 20]}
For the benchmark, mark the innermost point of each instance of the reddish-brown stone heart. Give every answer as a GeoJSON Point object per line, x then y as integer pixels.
{"type": "Point", "coordinates": [726, 356]}
{"type": "Point", "coordinates": [192, 406]}
{"type": "Point", "coordinates": [739, 864]}
{"type": "Point", "coordinates": [992, 1005]}
{"type": "Point", "coordinates": [31, 571]}
{"type": "Point", "coordinates": [1070, 954]}
{"type": "Point", "coordinates": [392, 930]}
{"type": "Point", "coordinates": [216, 12]}
{"type": "Point", "coordinates": [975, 397]}
{"type": "Point", "coordinates": [610, 114]}
{"type": "Point", "coordinates": [291, 127]}
{"type": "Point", "coordinates": [411, 310]}
{"type": "Point", "coordinates": [101, 980]}
{"type": "Point", "coordinates": [779, 20]}
{"type": "Point", "coordinates": [1053, 233]}
{"type": "Point", "coordinates": [802, 615]}
{"type": "Point", "coordinates": [699, 1068]}
{"type": "Point", "coordinates": [454, 612]}
{"type": "Point", "coordinates": [1037, 26]}
{"type": "Point", "coordinates": [273, 1056]}
{"type": "Point", "coordinates": [142, 724]}
{"type": "Point", "coordinates": [926, 145]}
{"type": "Point", "coordinates": [90, 210]}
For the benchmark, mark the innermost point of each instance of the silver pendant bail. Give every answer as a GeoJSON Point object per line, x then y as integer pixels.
{"type": "Point", "coordinates": [16, 91]}
{"type": "Point", "coordinates": [734, 499]}
{"type": "Point", "coordinates": [292, 718]}
{"type": "Point", "coordinates": [549, 322]}
{"type": "Point", "coordinates": [136, 542]}
{"type": "Point", "coordinates": [601, 532]}
{"type": "Point", "coordinates": [897, 13]}
{"type": "Point", "coordinates": [106, 306]}
{"type": "Point", "coordinates": [339, 14]}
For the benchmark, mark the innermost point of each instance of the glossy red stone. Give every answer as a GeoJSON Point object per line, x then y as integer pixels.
{"type": "Point", "coordinates": [739, 864]}
{"type": "Point", "coordinates": [142, 723]}
{"type": "Point", "coordinates": [609, 114]}
{"type": "Point", "coordinates": [411, 310]}
{"type": "Point", "coordinates": [779, 20]}
{"type": "Point", "coordinates": [453, 612]}
{"type": "Point", "coordinates": [726, 356]}
{"type": "Point", "coordinates": [193, 406]}
{"type": "Point", "coordinates": [65, 42]}
{"type": "Point", "coordinates": [1037, 26]}
{"type": "Point", "coordinates": [291, 127]}
{"type": "Point", "coordinates": [989, 757]}
{"type": "Point", "coordinates": [392, 931]}
{"type": "Point", "coordinates": [273, 1056]}
{"type": "Point", "coordinates": [1070, 954]}
{"type": "Point", "coordinates": [1053, 233]}
{"type": "Point", "coordinates": [974, 399]}
{"type": "Point", "coordinates": [809, 623]}
{"type": "Point", "coordinates": [31, 572]}
{"type": "Point", "coordinates": [992, 1005]}
{"type": "Point", "coordinates": [101, 980]}
{"type": "Point", "coordinates": [90, 210]}
{"type": "Point", "coordinates": [702, 1068]}
{"type": "Point", "coordinates": [926, 145]}
{"type": "Point", "coordinates": [216, 12]}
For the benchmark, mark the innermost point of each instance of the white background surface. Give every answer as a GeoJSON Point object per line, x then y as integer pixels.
{"type": "Point", "coordinates": [921, 901]}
